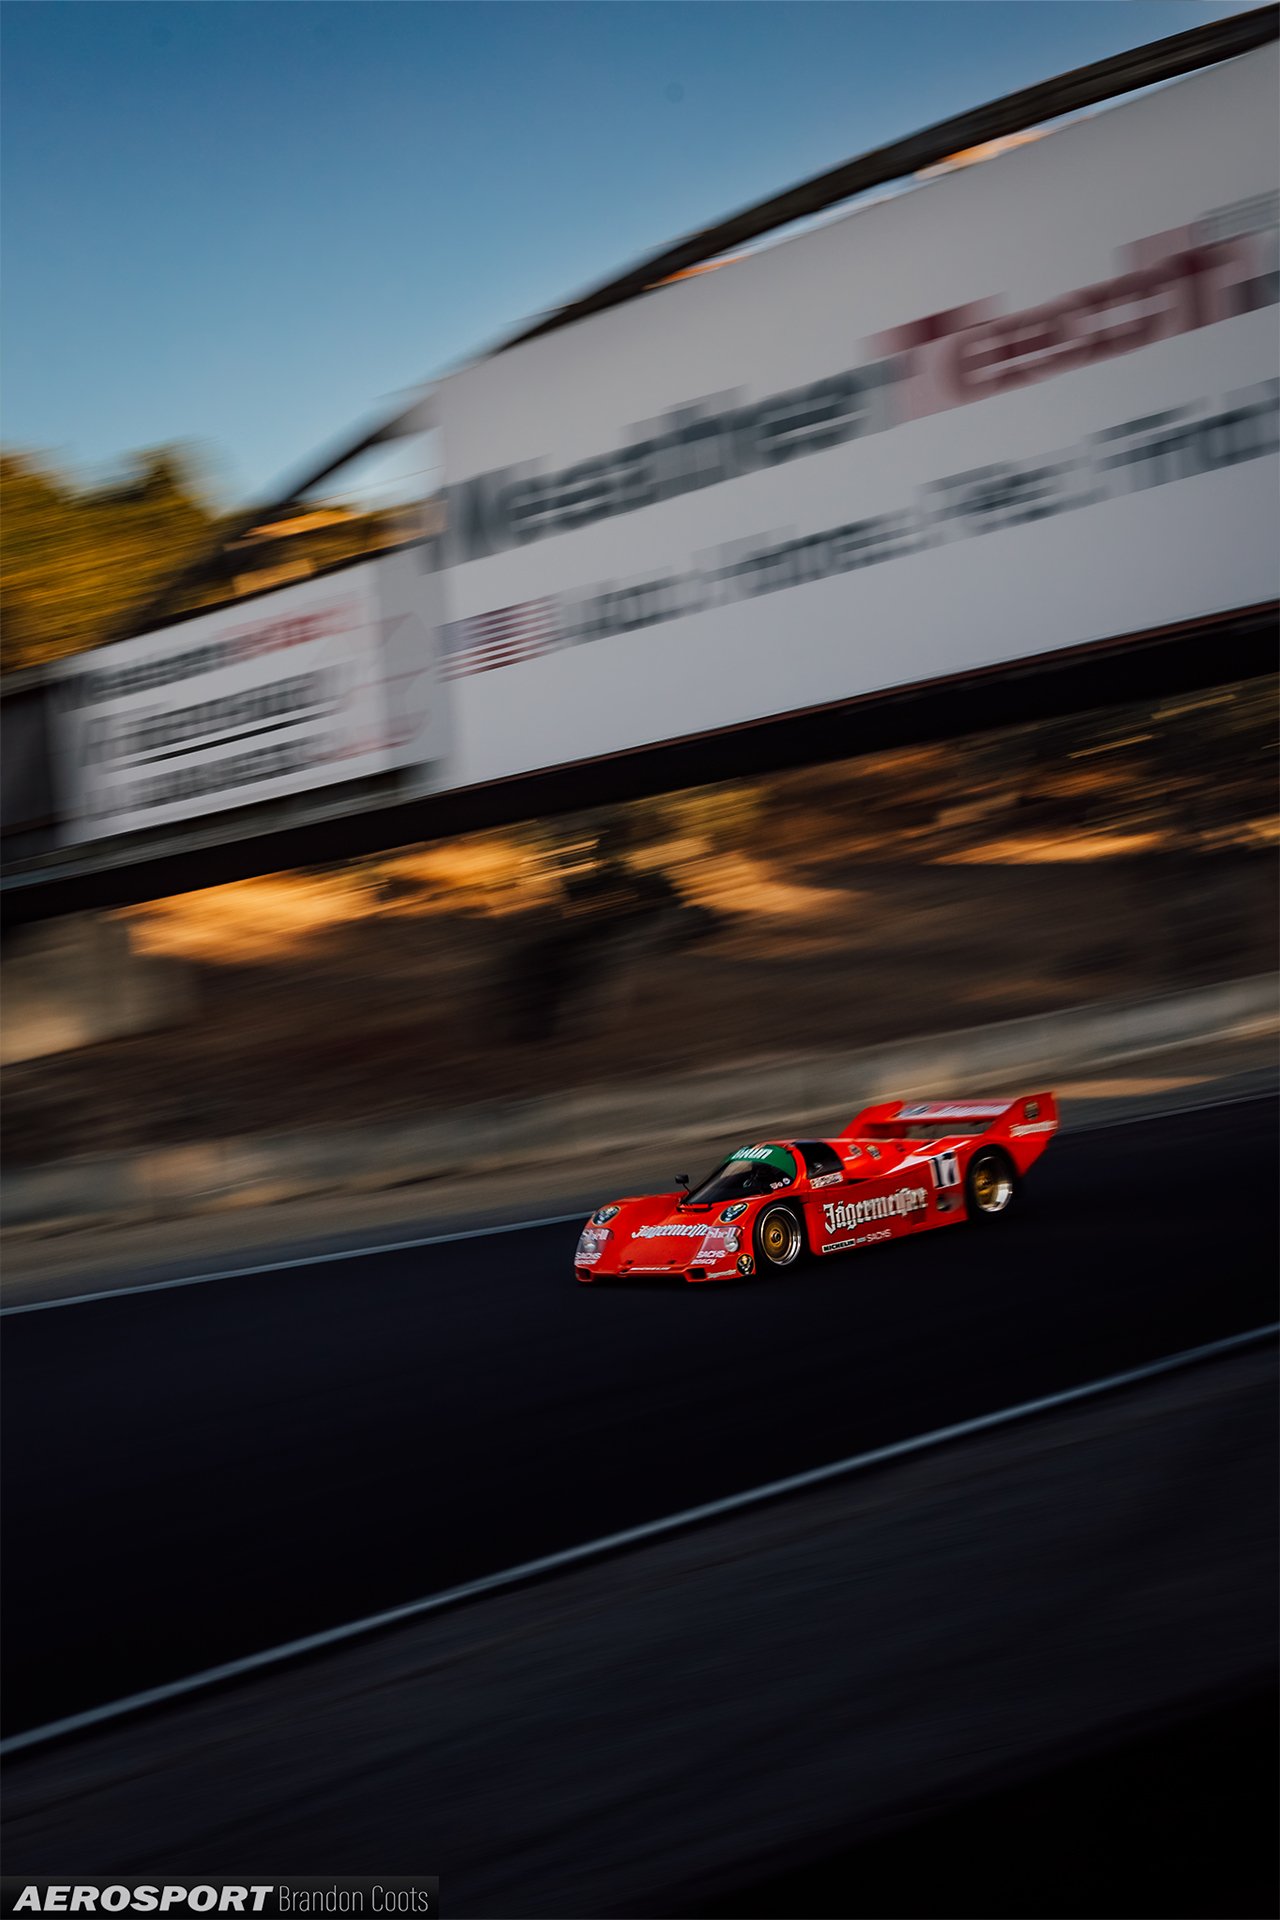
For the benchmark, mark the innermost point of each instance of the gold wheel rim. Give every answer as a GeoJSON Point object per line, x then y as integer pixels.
{"type": "Point", "coordinates": [775, 1236]}
{"type": "Point", "coordinates": [991, 1187]}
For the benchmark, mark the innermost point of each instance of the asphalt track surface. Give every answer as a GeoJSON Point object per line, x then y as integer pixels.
{"type": "Point", "coordinates": [196, 1474]}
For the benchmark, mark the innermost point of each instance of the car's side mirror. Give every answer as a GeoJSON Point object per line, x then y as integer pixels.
{"type": "Point", "coordinates": [682, 1180]}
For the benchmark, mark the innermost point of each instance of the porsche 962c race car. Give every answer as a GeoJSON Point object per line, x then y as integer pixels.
{"type": "Point", "coordinates": [896, 1170]}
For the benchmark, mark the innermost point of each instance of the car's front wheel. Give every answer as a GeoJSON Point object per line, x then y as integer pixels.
{"type": "Point", "coordinates": [991, 1185]}
{"type": "Point", "coordinates": [779, 1239]}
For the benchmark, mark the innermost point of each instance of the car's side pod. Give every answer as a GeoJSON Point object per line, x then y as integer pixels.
{"type": "Point", "coordinates": [1023, 1127]}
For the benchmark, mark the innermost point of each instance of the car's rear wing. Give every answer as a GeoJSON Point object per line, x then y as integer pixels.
{"type": "Point", "coordinates": [1032, 1115]}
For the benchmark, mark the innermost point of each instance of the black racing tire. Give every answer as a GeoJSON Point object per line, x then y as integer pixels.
{"type": "Point", "coordinates": [778, 1238]}
{"type": "Point", "coordinates": [990, 1186]}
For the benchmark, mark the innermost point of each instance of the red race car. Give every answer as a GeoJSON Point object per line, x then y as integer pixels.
{"type": "Point", "coordinates": [896, 1170]}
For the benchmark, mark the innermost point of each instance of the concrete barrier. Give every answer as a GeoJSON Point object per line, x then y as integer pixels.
{"type": "Point", "coordinates": [771, 1091]}
{"type": "Point", "coordinates": [75, 982]}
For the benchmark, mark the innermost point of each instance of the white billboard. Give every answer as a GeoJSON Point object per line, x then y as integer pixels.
{"type": "Point", "coordinates": [326, 681]}
{"type": "Point", "coordinates": [1025, 407]}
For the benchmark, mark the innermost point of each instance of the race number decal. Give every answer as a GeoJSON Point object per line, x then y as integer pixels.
{"type": "Point", "coordinates": [945, 1168]}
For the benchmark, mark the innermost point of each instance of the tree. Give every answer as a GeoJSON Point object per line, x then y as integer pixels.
{"type": "Point", "coordinates": [73, 559]}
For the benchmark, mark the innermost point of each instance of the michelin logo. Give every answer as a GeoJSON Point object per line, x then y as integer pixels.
{"type": "Point", "coordinates": [886, 1206]}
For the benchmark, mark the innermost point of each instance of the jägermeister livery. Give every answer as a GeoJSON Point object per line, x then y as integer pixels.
{"type": "Point", "coordinates": [898, 1169]}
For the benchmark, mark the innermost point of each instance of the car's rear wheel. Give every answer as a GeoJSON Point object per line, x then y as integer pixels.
{"type": "Point", "coordinates": [991, 1185]}
{"type": "Point", "coordinates": [779, 1239]}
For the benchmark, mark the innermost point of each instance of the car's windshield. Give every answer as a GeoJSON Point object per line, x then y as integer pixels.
{"type": "Point", "coordinates": [747, 1171]}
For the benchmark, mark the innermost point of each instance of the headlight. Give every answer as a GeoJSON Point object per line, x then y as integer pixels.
{"type": "Point", "coordinates": [591, 1244]}
{"type": "Point", "coordinates": [732, 1241]}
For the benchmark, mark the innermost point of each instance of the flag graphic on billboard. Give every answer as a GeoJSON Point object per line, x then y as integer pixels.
{"type": "Point", "coordinates": [498, 639]}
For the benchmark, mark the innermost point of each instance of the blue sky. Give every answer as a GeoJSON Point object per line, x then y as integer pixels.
{"type": "Point", "coordinates": [247, 224]}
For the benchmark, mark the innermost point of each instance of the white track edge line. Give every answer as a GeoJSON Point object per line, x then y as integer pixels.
{"type": "Point", "coordinates": [629, 1537]}
{"type": "Point", "coordinates": [282, 1266]}
{"type": "Point", "coordinates": [514, 1226]}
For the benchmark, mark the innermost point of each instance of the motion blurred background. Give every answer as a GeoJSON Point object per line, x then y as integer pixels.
{"type": "Point", "coordinates": [360, 1040]}
{"type": "Point", "coordinates": [1127, 852]}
